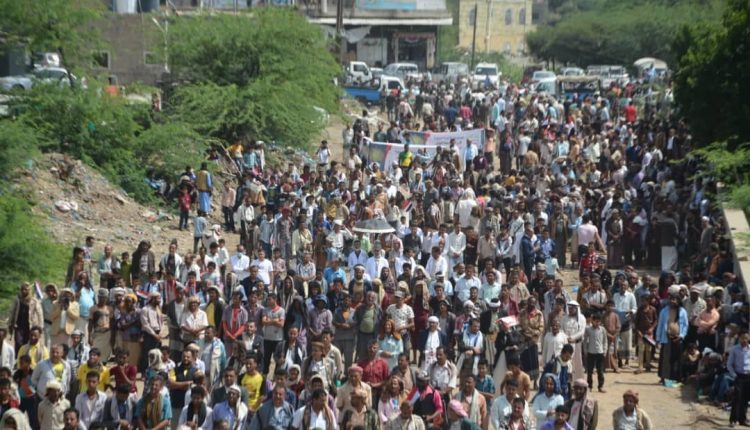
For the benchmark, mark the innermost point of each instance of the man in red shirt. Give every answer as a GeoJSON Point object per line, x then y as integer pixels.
{"type": "Point", "coordinates": [375, 370]}
{"type": "Point", "coordinates": [124, 372]}
{"type": "Point", "coordinates": [631, 114]}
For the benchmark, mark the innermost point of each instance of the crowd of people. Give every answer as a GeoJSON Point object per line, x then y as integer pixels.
{"type": "Point", "coordinates": [456, 316]}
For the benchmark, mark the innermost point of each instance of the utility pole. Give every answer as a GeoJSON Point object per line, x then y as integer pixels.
{"type": "Point", "coordinates": [340, 29]}
{"type": "Point", "coordinates": [487, 30]}
{"type": "Point", "coordinates": [474, 38]}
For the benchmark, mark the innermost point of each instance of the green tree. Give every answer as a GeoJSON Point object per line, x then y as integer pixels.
{"type": "Point", "coordinates": [255, 76]}
{"type": "Point", "coordinates": [609, 32]}
{"type": "Point", "coordinates": [712, 82]}
{"type": "Point", "coordinates": [63, 26]}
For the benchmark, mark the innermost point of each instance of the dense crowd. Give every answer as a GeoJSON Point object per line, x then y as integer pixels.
{"type": "Point", "coordinates": [453, 313]}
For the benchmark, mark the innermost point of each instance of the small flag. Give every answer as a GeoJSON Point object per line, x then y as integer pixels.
{"type": "Point", "coordinates": [38, 288]}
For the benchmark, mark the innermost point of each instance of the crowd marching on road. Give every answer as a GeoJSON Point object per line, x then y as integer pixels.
{"type": "Point", "coordinates": [423, 294]}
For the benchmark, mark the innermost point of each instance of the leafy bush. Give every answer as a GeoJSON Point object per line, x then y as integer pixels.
{"type": "Point", "coordinates": [26, 250]}
{"type": "Point", "coordinates": [618, 32]}
{"type": "Point", "coordinates": [255, 76]}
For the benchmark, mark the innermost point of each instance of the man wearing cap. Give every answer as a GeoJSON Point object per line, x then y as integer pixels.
{"type": "Point", "coordinates": [574, 326]}
{"type": "Point", "coordinates": [430, 339]}
{"type": "Point", "coordinates": [367, 318]}
{"type": "Point", "coordinates": [630, 413]}
{"type": "Point", "coordinates": [406, 420]}
{"type": "Point", "coordinates": [376, 263]}
{"type": "Point", "coordinates": [354, 382]}
{"type": "Point", "coordinates": [232, 410]}
{"type": "Point", "coordinates": [151, 324]}
{"type": "Point", "coordinates": [403, 318]}
{"type": "Point", "coordinates": [52, 408]}
{"type": "Point", "coordinates": [584, 411]}
{"type": "Point", "coordinates": [357, 257]}
{"type": "Point", "coordinates": [175, 310]}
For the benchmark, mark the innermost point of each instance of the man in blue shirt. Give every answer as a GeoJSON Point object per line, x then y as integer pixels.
{"type": "Point", "coordinates": [738, 365]}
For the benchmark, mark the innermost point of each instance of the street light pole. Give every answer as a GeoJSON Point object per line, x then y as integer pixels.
{"type": "Point", "coordinates": [474, 38]}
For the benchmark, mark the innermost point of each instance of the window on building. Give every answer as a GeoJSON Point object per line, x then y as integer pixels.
{"type": "Point", "coordinates": [101, 59]}
{"type": "Point", "coordinates": [508, 48]}
{"type": "Point", "coordinates": [472, 16]}
{"type": "Point", "coordinates": [508, 17]}
{"type": "Point", "coordinates": [521, 48]}
{"type": "Point", "coordinates": [151, 59]}
{"type": "Point", "coordinates": [522, 16]}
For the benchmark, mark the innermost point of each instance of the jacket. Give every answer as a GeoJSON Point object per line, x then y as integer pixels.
{"type": "Point", "coordinates": [298, 355]}
{"type": "Point", "coordinates": [111, 418]}
{"type": "Point", "coordinates": [263, 416]}
{"type": "Point", "coordinates": [663, 324]}
{"type": "Point", "coordinates": [642, 422]}
{"type": "Point", "coordinates": [36, 317]}
{"type": "Point", "coordinates": [589, 415]}
{"type": "Point", "coordinates": [70, 320]}
{"type": "Point", "coordinates": [359, 313]}
{"type": "Point", "coordinates": [422, 339]}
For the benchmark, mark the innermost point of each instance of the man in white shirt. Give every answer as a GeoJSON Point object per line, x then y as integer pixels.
{"type": "Point", "coordinates": [376, 263]}
{"type": "Point", "coordinates": [316, 415]}
{"type": "Point", "coordinates": [625, 303]}
{"type": "Point", "coordinates": [407, 258]}
{"type": "Point", "coordinates": [339, 235]}
{"type": "Point", "coordinates": [356, 257]}
{"type": "Point", "coordinates": [436, 263]}
{"type": "Point", "coordinates": [465, 283]}
{"type": "Point", "coordinates": [447, 285]}
{"type": "Point", "coordinates": [90, 403]}
{"type": "Point", "coordinates": [240, 263]}
{"type": "Point", "coordinates": [456, 246]}
{"type": "Point", "coordinates": [265, 267]}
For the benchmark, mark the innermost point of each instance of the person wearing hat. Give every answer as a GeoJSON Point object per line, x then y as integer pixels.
{"type": "Point", "coordinates": [319, 317]}
{"type": "Point", "coordinates": [367, 318]}
{"type": "Point", "coordinates": [430, 339]}
{"type": "Point", "coordinates": [151, 319]}
{"type": "Point", "coordinates": [99, 326]}
{"type": "Point", "coordinates": [623, 416]}
{"type": "Point", "coordinates": [359, 415]}
{"type": "Point", "coordinates": [403, 317]}
{"type": "Point", "coordinates": [459, 418]}
{"type": "Point", "coordinates": [52, 407]}
{"type": "Point", "coordinates": [584, 410]}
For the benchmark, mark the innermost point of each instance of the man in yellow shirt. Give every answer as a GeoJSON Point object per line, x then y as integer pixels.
{"type": "Point", "coordinates": [253, 382]}
{"type": "Point", "coordinates": [94, 364]}
{"type": "Point", "coordinates": [34, 348]}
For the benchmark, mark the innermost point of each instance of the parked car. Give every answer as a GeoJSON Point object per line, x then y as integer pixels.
{"type": "Point", "coordinates": [450, 72]}
{"type": "Point", "coordinates": [572, 71]}
{"type": "Point", "coordinates": [542, 75]}
{"type": "Point", "coordinates": [484, 72]}
{"type": "Point", "coordinates": [42, 74]}
{"type": "Point", "coordinates": [403, 70]}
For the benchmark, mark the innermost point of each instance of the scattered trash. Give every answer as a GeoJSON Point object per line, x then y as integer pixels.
{"type": "Point", "coordinates": [66, 205]}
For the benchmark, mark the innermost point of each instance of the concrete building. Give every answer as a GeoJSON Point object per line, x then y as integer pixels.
{"type": "Point", "coordinates": [385, 31]}
{"type": "Point", "coordinates": [501, 25]}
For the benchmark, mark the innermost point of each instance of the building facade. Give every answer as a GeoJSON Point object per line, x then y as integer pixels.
{"type": "Point", "coordinates": [380, 32]}
{"type": "Point", "coordinates": [501, 25]}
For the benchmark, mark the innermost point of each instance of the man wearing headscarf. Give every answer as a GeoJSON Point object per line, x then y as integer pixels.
{"type": "Point", "coordinates": [584, 411]}
{"type": "Point", "coordinates": [622, 417]}
{"type": "Point", "coordinates": [574, 326]}
{"type": "Point", "coordinates": [25, 313]}
{"type": "Point", "coordinates": [151, 324]}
